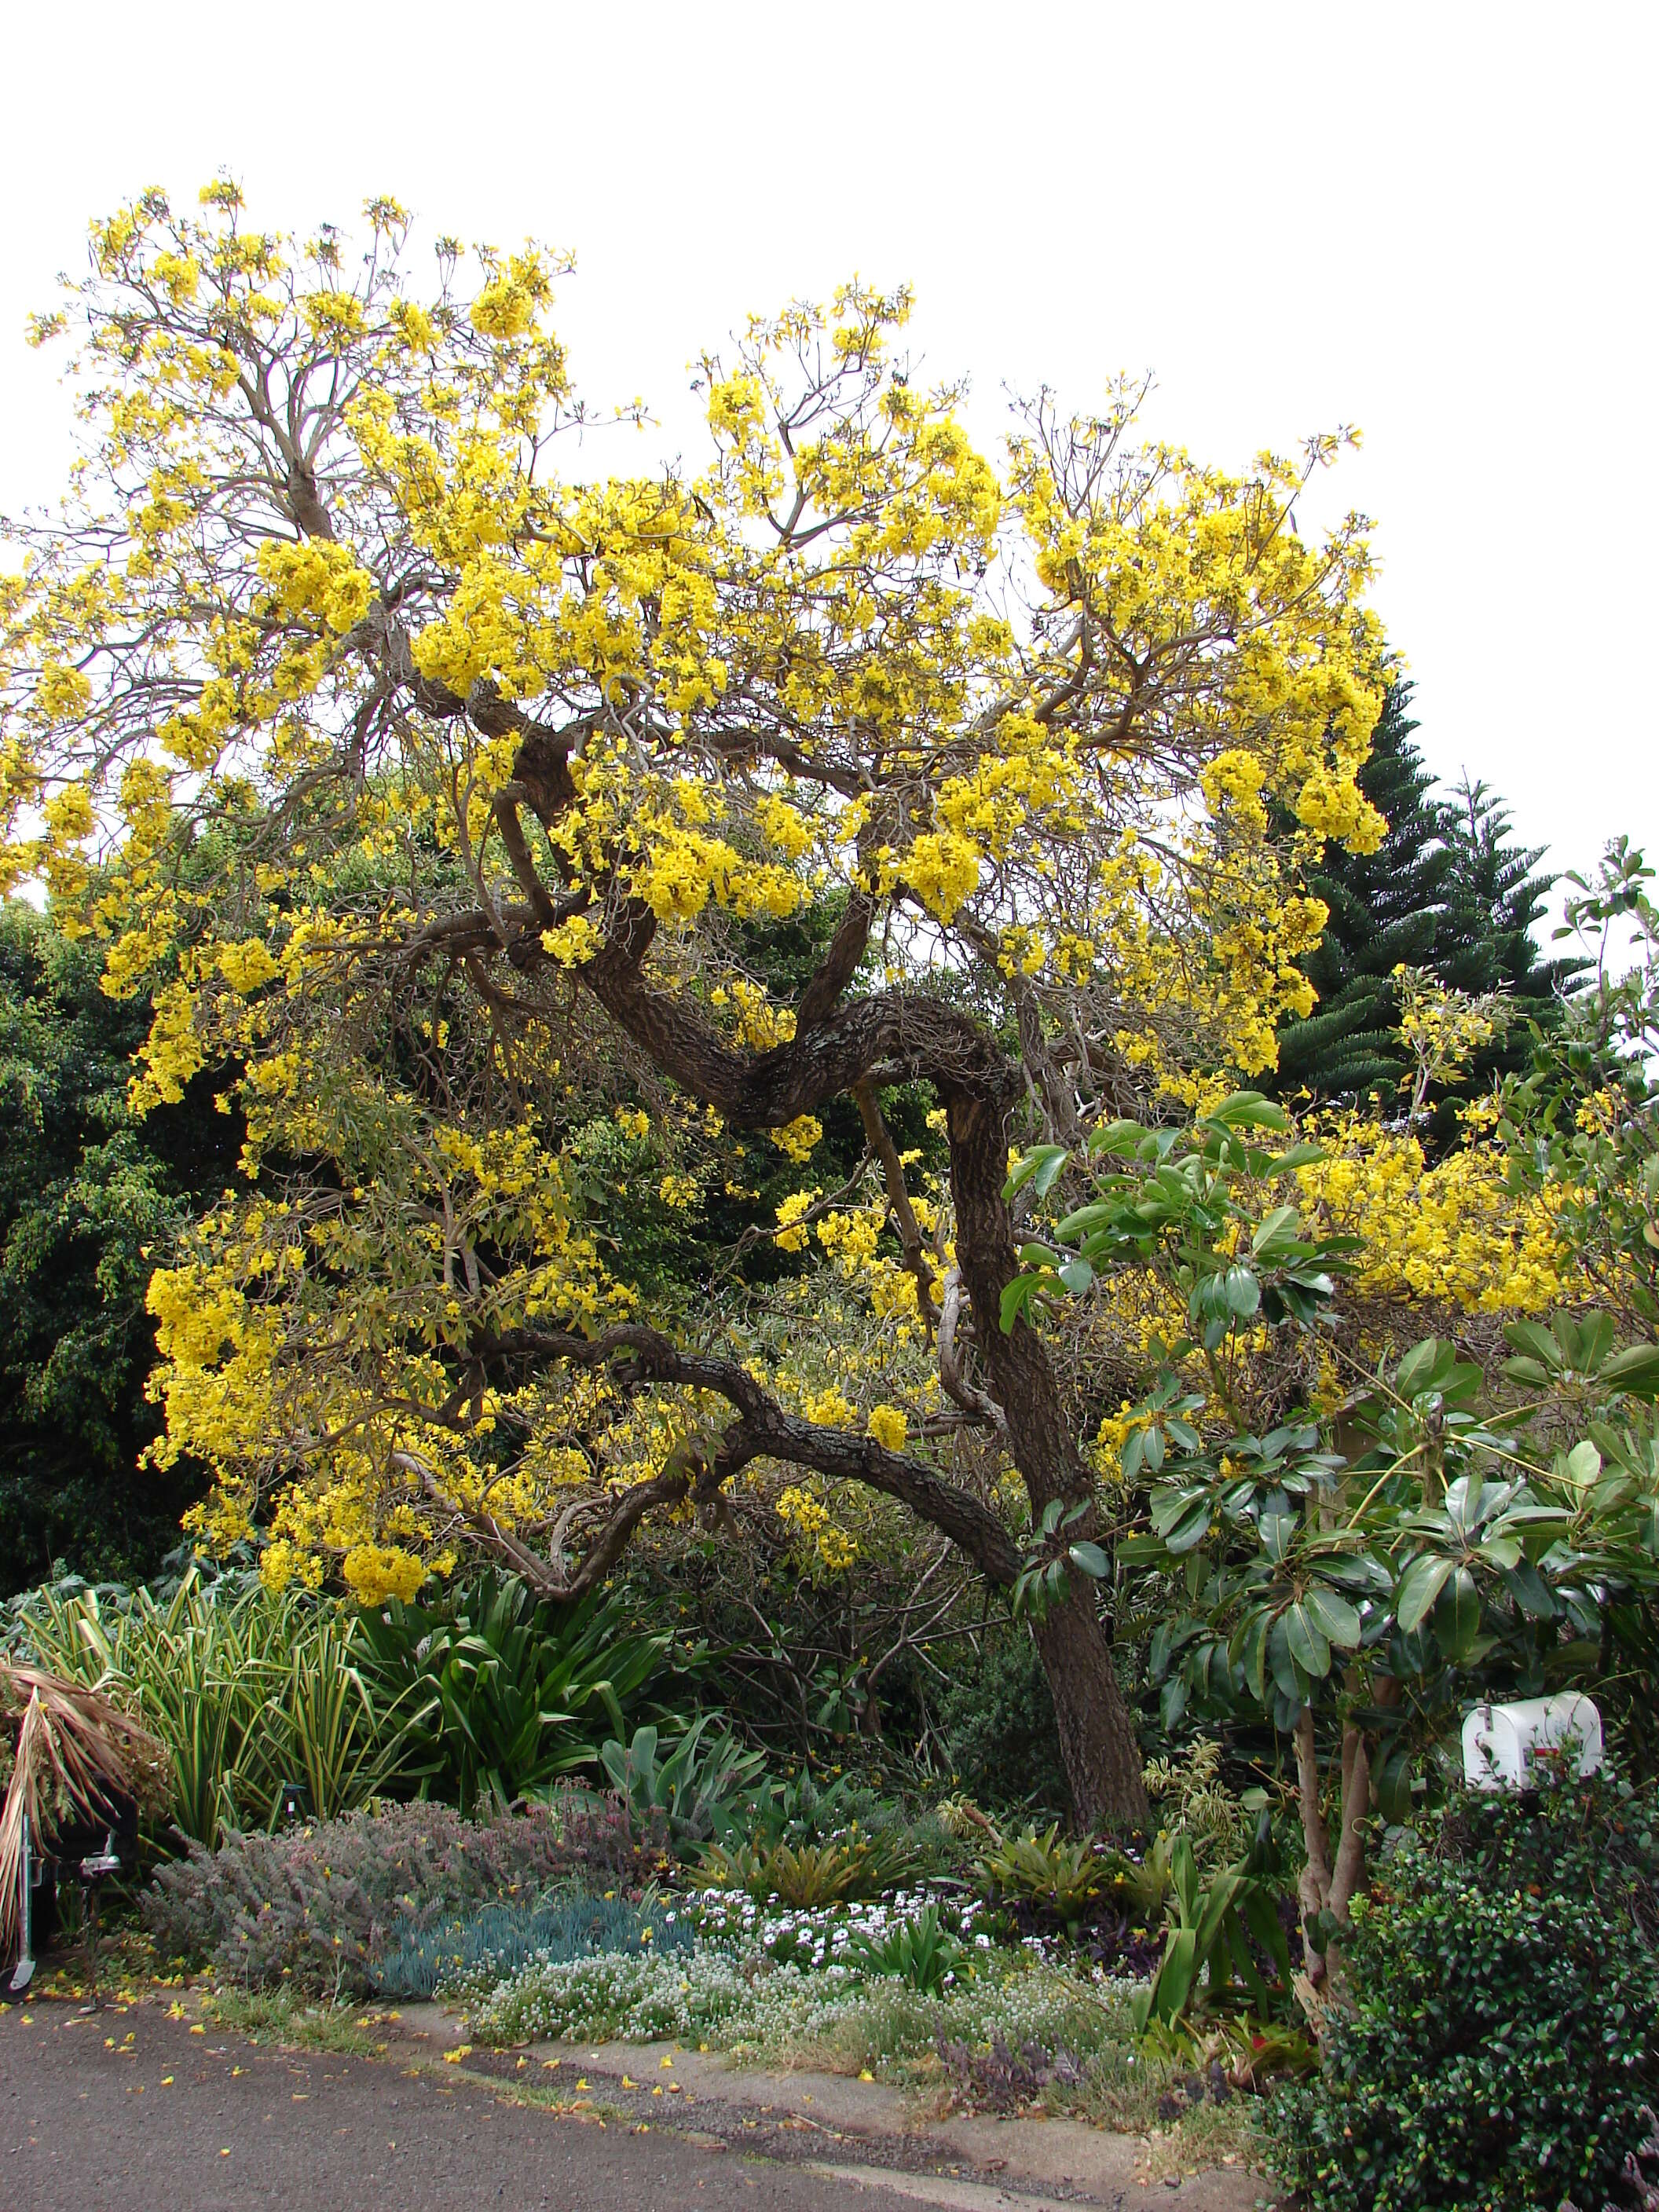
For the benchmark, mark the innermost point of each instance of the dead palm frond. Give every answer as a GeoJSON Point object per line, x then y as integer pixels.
{"type": "Point", "coordinates": [78, 1756]}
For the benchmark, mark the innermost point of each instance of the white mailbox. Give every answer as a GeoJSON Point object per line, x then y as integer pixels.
{"type": "Point", "coordinates": [1501, 1742]}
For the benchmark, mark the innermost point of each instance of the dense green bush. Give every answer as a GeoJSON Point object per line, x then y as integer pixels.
{"type": "Point", "coordinates": [512, 1691]}
{"type": "Point", "coordinates": [247, 1688]}
{"type": "Point", "coordinates": [1498, 2053]}
{"type": "Point", "coordinates": [997, 1726]}
{"type": "Point", "coordinates": [687, 1792]}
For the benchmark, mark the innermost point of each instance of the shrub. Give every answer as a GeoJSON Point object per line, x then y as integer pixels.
{"type": "Point", "coordinates": [511, 1691]}
{"type": "Point", "coordinates": [1495, 2056]}
{"type": "Point", "coordinates": [997, 1725]}
{"type": "Point", "coordinates": [921, 1952]}
{"type": "Point", "coordinates": [311, 1904]}
{"type": "Point", "coordinates": [687, 1789]}
{"type": "Point", "coordinates": [497, 1940]}
{"type": "Point", "coordinates": [1064, 1875]}
{"type": "Point", "coordinates": [247, 1687]}
{"type": "Point", "coordinates": [808, 1876]}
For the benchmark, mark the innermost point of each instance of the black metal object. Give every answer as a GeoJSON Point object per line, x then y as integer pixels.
{"type": "Point", "coordinates": [293, 1804]}
{"type": "Point", "coordinates": [94, 1871]}
{"type": "Point", "coordinates": [85, 1852]}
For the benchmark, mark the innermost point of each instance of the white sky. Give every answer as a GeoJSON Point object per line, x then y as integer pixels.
{"type": "Point", "coordinates": [1434, 220]}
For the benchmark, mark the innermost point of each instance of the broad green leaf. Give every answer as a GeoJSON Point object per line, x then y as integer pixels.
{"type": "Point", "coordinates": [1458, 1615]}
{"type": "Point", "coordinates": [1252, 1655]}
{"type": "Point", "coordinates": [1422, 1367]}
{"type": "Point", "coordinates": [1283, 1225]}
{"type": "Point", "coordinates": [1583, 1463]}
{"type": "Point", "coordinates": [1077, 1275]}
{"type": "Point", "coordinates": [1529, 1590]}
{"type": "Point", "coordinates": [1595, 1342]}
{"type": "Point", "coordinates": [1339, 1620]}
{"type": "Point", "coordinates": [1531, 1373]}
{"type": "Point", "coordinates": [1191, 1530]}
{"type": "Point", "coordinates": [1419, 1586]}
{"type": "Point", "coordinates": [1634, 1370]}
{"type": "Point", "coordinates": [1119, 1137]}
{"type": "Point", "coordinates": [1298, 1156]}
{"type": "Point", "coordinates": [1176, 1976]}
{"type": "Point", "coordinates": [1310, 1646]}
{"type": "Point", "coordinates": [1040, 1167]}
{"type": "Point", "coordinates": [1276, 1531]}
{"type": "Point", "coordinates": [1392, 1785]}
{"type": "Point", "coordinates": [1085, 1218]}
{"type": "Point", "coordinates": [1091, 1559]}
{"type": "Point", "coordinates": [1249, 1109]}
{"type": "Point", "coordinates": [1532, 1338]}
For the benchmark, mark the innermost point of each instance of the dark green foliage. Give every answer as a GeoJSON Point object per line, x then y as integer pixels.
{"type": "Point", "coordinates": [312, 1904]}
{"type": "Point", "coordinates": [1448, 890]}
{"type": "Point", "coordinates": [922, 1952]}
{"type": "Point", "coordinates": [89, 1200]}
{"type": "Point", "coordinates": [498, 1939]}
{"type": "Point", "coordinates": [520, 1692]}
{"type": "Point", "coordinates": [1504, 1992]}
{"type": "Point", "coordinates": [997, 1728]}
{"type": "Point", "coordinates": [1385, 909]}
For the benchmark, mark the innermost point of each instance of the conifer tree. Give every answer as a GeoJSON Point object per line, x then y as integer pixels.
{"type": "Point", "coordinates": [1448, 890]}
{"type": "Point", "coordinates": [1386, 908]}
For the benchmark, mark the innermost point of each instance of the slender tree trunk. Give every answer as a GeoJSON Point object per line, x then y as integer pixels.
{"type": "Point", "coordinates": [1329, 1879]}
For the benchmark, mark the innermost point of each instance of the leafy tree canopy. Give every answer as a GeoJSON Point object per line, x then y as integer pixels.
{"type": "Point", "coordinates": [439, 783]}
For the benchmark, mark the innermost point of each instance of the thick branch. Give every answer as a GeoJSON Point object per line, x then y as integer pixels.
{"type": "Point", "coordinates": [544, 1577]}
{"type": "Point", "coordinates": [972, 1400]}
{"type": "Point", "coordinates": [765, 1429]}
{"type": "Point", "coordinates": [840, 963]}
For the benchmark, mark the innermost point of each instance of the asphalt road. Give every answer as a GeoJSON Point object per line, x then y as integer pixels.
{"type": "Point", "coordinates": [129, 2111]}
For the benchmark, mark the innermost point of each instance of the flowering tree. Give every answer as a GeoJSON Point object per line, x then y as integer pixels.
{"type": "Point", "coordinates": [444, 799]}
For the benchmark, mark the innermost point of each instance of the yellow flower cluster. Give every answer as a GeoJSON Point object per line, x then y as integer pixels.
{"type": "Point", "coordinates": [827, 1409]}
{"type": "Point", "coordinates": [889, 1426]}
{"type": "Point", "coordinates": [1451, 1232]}
{"type": "Point", "coordinates": [799, 1139]}
{"type": "Point", "coordinates": [836, 1550]}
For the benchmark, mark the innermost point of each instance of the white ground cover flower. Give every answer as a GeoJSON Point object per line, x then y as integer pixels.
{"type": "Point", "coordinates": [767, 1978]}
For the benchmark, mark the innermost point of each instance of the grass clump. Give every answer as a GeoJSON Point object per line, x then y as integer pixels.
{"type": "Point", "coordinates": [287, 2016]}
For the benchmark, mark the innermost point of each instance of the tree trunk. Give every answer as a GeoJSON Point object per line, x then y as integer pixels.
{"type": "Point", "coordinates": [1329, 1880]}
{"type": "Point", "coordinates": [1096, 1734]}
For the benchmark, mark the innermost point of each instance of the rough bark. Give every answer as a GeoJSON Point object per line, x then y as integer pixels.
{"type": "Point", "coordinates": [1097, 1735]}
{"type": "Point", "coordinates": [1097, 1738]}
